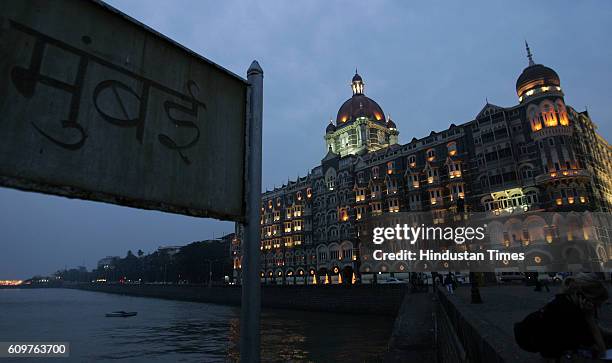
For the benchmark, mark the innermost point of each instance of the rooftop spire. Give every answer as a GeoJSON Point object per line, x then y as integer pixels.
{"type": "Point", "coordinates": [357, 84]}
{"type": "Point", "coordinates": [529, 55]}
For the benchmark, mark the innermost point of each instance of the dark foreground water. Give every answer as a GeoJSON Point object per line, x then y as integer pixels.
{"type": "Point", "coordinates": [176, 331]}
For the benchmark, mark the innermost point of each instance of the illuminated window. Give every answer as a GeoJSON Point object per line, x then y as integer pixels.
{"type": "Point", "coordinates": [562, 111]}
{"type": "Point", "coordinates": [415, 180]}
{"type": "Point", "coordinates": [297, 225]}
{"type": "Point", "coordinates": [435, 196]}
{"type": "Point", "coordinates": [375, 190]}
{"type": "Point", "coordinates": [309, 193]}
{"type": "Point", "coordinates": [376, 208]}
{"type": "Point", "coordinates": [359, 212]}
{"type": "Point", "coordinates": [390, 167]}
{"type": "Point", "coordinates": [412, 161]}
{"type": "Point", "coordinates": [454, 170]}
{"type": "Point", "coordinates": [431, 155]}
{"type": "Point", "coordinates": [432, 175]}
{"type": "Point", "coordinates": [548, 114]}
{"type": "Point", "coordinates": [343, 215]}
{"type": "Point", "coordinates": [452, 148]}
{"type": "Point", "coordinates": [457, 191]}
{"type": "Point", "coordinates": [393, 205]}
{"type": "Point", "coordinates": [297, 211]}
{"type": "Point", "coordinates": [375, 172]}
{"type": "Point", "coordinates": [360, 195]}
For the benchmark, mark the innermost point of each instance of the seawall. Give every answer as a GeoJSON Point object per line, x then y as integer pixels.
{"type": "Point", "coordinates": [463, 335]}
{"type": "Point", "coordinates": [380, 300]}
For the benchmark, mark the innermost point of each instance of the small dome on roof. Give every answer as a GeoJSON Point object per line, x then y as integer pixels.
{"type": "Point", "coordinates": [535, 75]}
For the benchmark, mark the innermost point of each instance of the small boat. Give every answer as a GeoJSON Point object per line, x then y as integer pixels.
{"type": "Point", "coordinates": [121, 314]}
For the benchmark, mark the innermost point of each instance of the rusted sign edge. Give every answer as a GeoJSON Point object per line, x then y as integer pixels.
{"type": "Point", "coordinates": [72, 192]}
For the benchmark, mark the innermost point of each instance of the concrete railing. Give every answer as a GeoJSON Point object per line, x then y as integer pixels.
{"type": "Point", "coordinates": [462, 336]}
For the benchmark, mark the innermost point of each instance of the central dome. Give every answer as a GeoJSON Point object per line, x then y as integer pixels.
{"type": "Point", "coordinates": [359, 106]}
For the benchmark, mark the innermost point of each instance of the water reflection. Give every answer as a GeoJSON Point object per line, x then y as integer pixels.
{"type": "Point", "coordinates": [167, 330]}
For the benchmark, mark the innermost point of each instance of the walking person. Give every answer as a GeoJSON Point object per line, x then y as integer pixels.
{"type": "Point", "coordinates": [448, 282]}
{"type": "Point", "coordinates": [545, 285]}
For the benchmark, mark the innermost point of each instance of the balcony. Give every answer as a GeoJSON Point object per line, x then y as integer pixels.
{"type": "Point", "coordinates": [561, 175]}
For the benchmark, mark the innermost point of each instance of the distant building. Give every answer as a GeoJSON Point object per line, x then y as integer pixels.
{"type": "Point", "coordinates": [169, 250]}
{"type": "Point", "coordinates": [538, 155]}
{"type": "Point", "coordinates": [107, 262]}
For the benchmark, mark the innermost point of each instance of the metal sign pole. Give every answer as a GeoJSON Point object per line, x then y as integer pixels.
{"type": "Point", "coordinates": [251, 294]}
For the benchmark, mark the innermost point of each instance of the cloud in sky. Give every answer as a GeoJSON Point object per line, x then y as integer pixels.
{"type": "Point", "coordinates": [428, 64]}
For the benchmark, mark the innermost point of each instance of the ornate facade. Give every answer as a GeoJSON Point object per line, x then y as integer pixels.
{"type": "Point", "coordinates": [539, 155]}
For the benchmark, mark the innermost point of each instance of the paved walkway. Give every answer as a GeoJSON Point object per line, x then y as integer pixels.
{"type": "Point", "coordinates": [412, 339]}
{"type": "Point", "coordinates": [505, 305]}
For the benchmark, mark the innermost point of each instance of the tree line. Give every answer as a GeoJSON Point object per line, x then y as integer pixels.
{"type": "Point", "coordinates": [199, 262]}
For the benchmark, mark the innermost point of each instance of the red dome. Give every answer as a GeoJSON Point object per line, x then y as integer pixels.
{"type": "Point", "coordinates": [359, 106]}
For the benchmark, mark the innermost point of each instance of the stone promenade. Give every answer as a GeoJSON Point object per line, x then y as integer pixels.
{"type": "Point", "coordinates": [505, 305]}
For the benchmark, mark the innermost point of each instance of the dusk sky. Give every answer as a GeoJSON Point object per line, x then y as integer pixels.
{"type": "Point", "coordinates": [428, 64]}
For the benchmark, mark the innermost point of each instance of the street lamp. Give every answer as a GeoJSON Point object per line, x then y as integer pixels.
{"type": "Point", "coordinates": [209, 270]}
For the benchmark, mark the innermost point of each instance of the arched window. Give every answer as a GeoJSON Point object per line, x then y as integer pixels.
{"type": "Point", "coordinates": [412, 161]}
{"type": "Point", "coordinates": [487, 203]}
{"type": "Point", "coordinates": [527, 172]}
{"type": "Point", "coordinates": [562, 112]}
{"type": "Point", "coordinates": [452, 148]}
{"type": "Point", "coordinates": [431, 155]}
{"type": "Point", "coordinates": [330, 178]}
{"type": "Point", "coordinates": [531, 197]}
{"type": "Point", "coordinates": [534, 118]}
{"type": "Point", "coordinates": [548, 114]}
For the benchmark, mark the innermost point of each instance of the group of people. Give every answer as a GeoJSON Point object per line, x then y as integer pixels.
{"type": "Point", "coordinates": [448, 280]}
